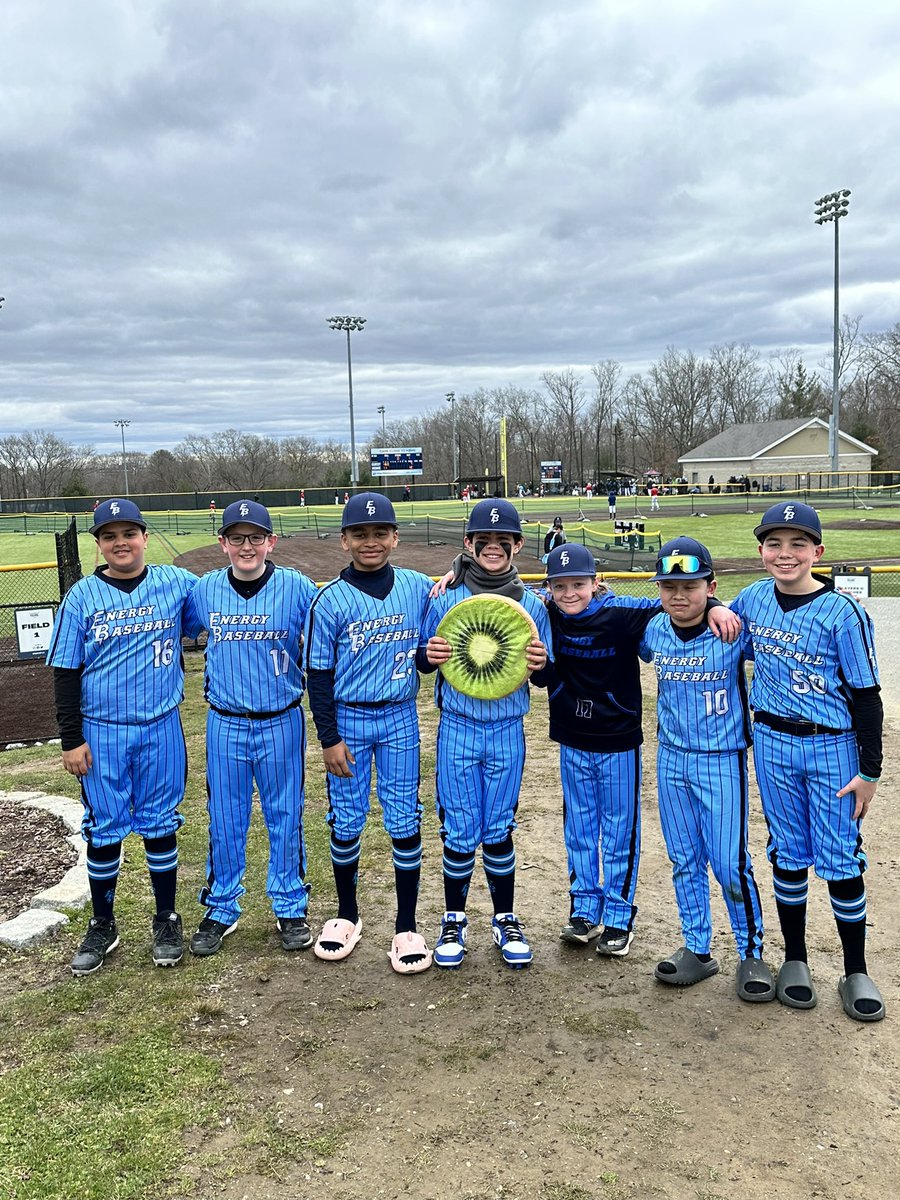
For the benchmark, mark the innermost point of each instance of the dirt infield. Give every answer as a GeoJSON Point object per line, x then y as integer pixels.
{"type": "Point", "coordinates": [27, 710]}
{"type": "Point", "coordinates": [323, 558]}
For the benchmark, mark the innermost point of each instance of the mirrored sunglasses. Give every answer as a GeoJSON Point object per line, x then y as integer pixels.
{"type": "Point", "coordinates": [686, 564]}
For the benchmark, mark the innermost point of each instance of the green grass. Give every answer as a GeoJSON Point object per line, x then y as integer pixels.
{"type": "Point", "coordinates": [99, 1118]}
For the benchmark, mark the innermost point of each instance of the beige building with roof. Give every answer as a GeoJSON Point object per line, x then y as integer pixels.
{"type": "Point", "coordinates": [787, 452]}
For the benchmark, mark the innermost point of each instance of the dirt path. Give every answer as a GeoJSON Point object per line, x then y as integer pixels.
{"type": "Point", "coordinates": [576, 1079]}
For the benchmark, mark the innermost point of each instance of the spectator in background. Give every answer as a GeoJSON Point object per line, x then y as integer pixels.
{"type": "Point", "coordinates": [555, 536]}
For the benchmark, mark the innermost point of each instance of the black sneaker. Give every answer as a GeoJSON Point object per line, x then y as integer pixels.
{"type": "Point", "coordinates": [209, 936]}
{"type": "Point", "coordinates": [295, 933]}
{"type": "Point", "coordinates": [614, 943]}
{"type": "Point", "coordinates": [168, 940]}
{"type": "Point", "coordinates": [579, 931]}
{"type": "Point", "coordinates": [101, 939]}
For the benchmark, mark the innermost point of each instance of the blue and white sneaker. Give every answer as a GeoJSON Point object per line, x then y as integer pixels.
{"type": "Point", "coordinates": [451, 945]}
{"type": "Point", "coordinates": [506, 930]}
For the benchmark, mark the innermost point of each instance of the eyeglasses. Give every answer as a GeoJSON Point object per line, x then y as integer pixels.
{"type": "Point", "coordinates": [238, 539]}
{"type": "Point", "coordinates": [686, 564]}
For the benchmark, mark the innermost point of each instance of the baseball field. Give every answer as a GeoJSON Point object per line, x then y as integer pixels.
{"type": "Point", "coordinates": [258, 1075]}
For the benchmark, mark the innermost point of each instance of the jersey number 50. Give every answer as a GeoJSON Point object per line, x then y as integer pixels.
{"type": "Point", "coordinates": [803, 683]}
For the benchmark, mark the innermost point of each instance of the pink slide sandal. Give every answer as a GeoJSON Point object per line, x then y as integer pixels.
{"type": "Point", "coordinates": [408, 954]}
{"type": "Point", "coordinates": [337, 939]}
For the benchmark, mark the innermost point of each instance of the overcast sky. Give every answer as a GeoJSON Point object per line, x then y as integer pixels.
{"type": "Point", "coordinates": [189, 188]}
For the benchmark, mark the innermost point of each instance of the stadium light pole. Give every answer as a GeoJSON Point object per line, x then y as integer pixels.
{"type": "Point", "coordinates": [832, 207]}
{"type": "Point", "coordinates": [123, 425]}
{"type": "Point", "coordinates": [451, 400]}
{"type": "Point", "coordinates": [349, 325]}
{"type": "Point", "coordinates": [381, 409]}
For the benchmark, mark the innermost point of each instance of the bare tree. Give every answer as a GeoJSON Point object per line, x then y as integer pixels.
{"type": "Point", "coordinates": [52, 464]}
{"type": "Point", "coordinates": [13, 467]}
{"type": "Point", "coordinates": [567, 398]}
{"type": "Point", "coordinates": [739, 387]}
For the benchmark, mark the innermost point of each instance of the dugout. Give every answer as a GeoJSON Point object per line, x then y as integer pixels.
{"type": "Point", "coordinates": [27, 706]}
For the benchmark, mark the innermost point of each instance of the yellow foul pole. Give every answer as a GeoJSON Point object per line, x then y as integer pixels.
{"type": "Point", "coordinates": [503, 470]}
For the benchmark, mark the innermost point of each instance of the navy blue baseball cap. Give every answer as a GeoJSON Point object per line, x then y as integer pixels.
{"type": "Point", "coordinates": [248, 512]}
{"type": "Point", "coordinates": [570, 560]}
{"type": "Point", "coordinates": [683, 558]}
{"type": "Point", "coordinates": [494, 516]}
{"type": "Point", "coordinates": [368, 508]}
{"type": "Point", "coordinates": [790, 515]}
{"type": "Point", "coordinates": [117, 510]}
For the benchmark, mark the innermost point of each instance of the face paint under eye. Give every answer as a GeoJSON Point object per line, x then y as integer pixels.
{"type": "Point", "coordinates": [480, 545]}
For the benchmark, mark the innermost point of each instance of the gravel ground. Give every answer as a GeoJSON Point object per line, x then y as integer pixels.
{"type": "Point", "coordinates": [885, 612]}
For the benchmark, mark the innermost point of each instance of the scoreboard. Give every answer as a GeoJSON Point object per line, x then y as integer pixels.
{"type": "Point", "coordinates": [404, 460]}
{"type": "Point", "coordinates": [551, 471]}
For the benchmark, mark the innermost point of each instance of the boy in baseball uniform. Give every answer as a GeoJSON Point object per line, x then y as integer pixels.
{"type": "Point", "coordinates": [118, 677]}
{"type": "Point", "coordinates": [481, 743]}
{"type": "Point", "coordinates": [254, 613]}
{"type": "Point", "coordinates": [817, 736]}
{"type": "Point", "coordinates": [362, 635]}
{"type": "Point", "coordinates": [703, 735]}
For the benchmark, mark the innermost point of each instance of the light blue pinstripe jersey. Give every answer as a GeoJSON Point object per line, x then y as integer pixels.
{"type": "Point", "coordinates": [253, 652]}
{"type": "Point", "coordinates": [702, 703]}
{"type": "Point", "coordinates": [129, 644]}
{"type": "Point", "coordinates": [447, 698]}
{"type": "Point", "coordinates": [806, 659]}
{"type": "Point", "coordinates": [370, 644]}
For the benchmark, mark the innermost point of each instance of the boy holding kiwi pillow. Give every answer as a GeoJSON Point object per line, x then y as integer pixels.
{"type": "Point", "coordinates": [481, 743]}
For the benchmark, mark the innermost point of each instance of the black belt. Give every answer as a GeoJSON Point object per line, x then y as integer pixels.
{"type": "Point", "coordinates": [256, 716]}
{"type": "Point", "coordinates": [797, 728]}
{"type": "Point", "coordinates": [371, 703]}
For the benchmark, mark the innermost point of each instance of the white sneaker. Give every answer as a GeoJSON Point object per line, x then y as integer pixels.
{"type": "Point", "coordinates": [451, 945]}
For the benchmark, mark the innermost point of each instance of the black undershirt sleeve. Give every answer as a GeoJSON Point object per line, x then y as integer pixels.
{"type": "Point", "coordinates": [320, 687]}
{"type": "Point", "coordinates": [67, 693]}
{"type": "Point", "coordinates": [422, 663]}
{"type": "Point", "coordinates": [867, 714]}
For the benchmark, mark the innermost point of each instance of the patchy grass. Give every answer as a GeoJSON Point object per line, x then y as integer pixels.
{"type": "Point", "coordinates": [101, 1119]}
{"type": "Point", "coordinates": [603, 1022]}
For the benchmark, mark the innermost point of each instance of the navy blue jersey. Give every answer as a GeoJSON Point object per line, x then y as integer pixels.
{"type": "Point", "coordinates": [807, 658]}
{"type": "Point", "coordinates": [129, 644]}
{"type": "Point", "coordinates": [370, 644]}
{"type": "Point", "coordinates": [702, 703]}
{"type": "Point", "coordinates": [447, 698]}
{"type": "Point", "coordinates": [595, 681]}
{"type": "Point", "coordinates": [253, 650]}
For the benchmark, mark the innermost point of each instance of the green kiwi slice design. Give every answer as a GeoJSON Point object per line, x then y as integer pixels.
{"type": "Point", "coordinates": [488, 635]}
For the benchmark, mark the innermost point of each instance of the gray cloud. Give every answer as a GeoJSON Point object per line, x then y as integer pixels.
{"type": "Point", "coordinates": [190, 189]}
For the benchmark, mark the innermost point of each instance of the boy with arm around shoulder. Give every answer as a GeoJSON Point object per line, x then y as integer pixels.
{"type": "Point", "coordinates": [595, 715]}
{"type": "Point", "coordinates": [703, 735]}
{"type": "Point", "coordinates": [481, 743]}
{"type": "Point", "coordinates": [817, 731]}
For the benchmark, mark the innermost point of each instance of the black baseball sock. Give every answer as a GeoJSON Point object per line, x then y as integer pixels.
{"type": "Point", "coordinates": [162, 863]}
{"type": "Point", "coordinates": [103, 875]}
{"type": "Point", "coordinates": [345, 863]}
{"type": "Point", "coordinates": [407, 870]}
{"type": "Point", "coordinates": [791, 892]}
{"type": "Point", "coordinates": [499, 861]}
{"type": "Point", "coordinates": [458, 868]}
{"type": "Point", "coordinates": [848, 903]}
